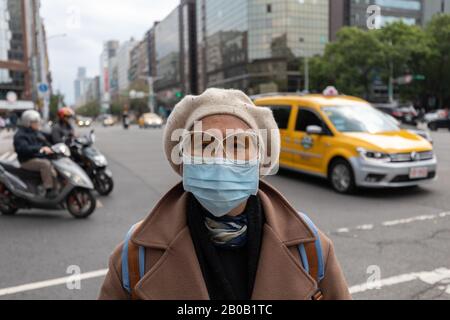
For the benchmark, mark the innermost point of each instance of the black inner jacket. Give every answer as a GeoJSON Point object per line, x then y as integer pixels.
{"type": "Point", "coordinates": [229, 273]}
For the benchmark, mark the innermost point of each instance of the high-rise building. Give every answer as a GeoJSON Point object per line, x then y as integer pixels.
{"type": "Point", "coordinates": [123, 57]}
{"type": "Point", "coordinates": [80, 86]}
{"type": "Point", "coordinates": [173, 54]}
{"type": "Point", "coordinates": [355, 13]}
{"type": "Point", "coordinates": [110, 49]}
{"type": "Point", "coordinates": [138, 71]}
{"type": "Point", "coordinates": [151, 50]}
{"type": "Point", "coordinates": [433, 7]}
{"type": "Point", "coordinates": [257, 45]}
{"type": "Point", "coordinates": [93, 90]}
{"type": "Point", "coordinates": [23, 49]}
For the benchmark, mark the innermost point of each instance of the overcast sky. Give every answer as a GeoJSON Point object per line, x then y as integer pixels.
{"type": "Point", "coordinates": [88, 23]}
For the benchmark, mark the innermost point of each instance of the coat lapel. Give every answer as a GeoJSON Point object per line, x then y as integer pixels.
{"type": "Point", "coordinates": [280, 274]}
{"type": "Point", "coordinates": [176, 274]}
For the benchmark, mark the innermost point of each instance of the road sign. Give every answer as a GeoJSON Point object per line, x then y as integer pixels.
{"type": "Point", "coordinates": [419, 77]}
{"type": "Point", "coordinates": [43, 88]}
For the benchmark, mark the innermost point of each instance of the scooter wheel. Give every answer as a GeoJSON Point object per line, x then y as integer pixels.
{"type": "Point", "coordinates": [104, 184]}
{"type": "Point", "coordinates": [6, 207]}
{"type": "Point", "coordinates": [7, 210]}
{"type": "Point", "coordinates": [81, 203]}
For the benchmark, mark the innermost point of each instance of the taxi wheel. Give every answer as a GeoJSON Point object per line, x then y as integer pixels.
{"type": "Point", "coordinates": [341, 177]}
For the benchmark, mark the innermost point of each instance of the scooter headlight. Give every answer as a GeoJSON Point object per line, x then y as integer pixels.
{"type": "Point", "coordinates": [100, 161]}
{"type": "Point", "coordinates": [62, 149]}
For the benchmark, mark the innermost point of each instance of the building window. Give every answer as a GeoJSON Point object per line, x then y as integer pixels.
{"type": "Point", "coordinates": [269, 8]}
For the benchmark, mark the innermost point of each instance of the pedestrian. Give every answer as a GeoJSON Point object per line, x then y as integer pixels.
{"type": "Point", "coordinates": [13, 120]}
{"type": "Point", "coordinates": [224, 233]}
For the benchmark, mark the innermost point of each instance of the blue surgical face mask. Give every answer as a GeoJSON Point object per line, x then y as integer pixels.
{"type": "Point", "coordinates": [221, 185]}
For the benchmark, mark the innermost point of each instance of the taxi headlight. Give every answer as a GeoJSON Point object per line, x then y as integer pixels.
{"type": "Point", "coordinates": [374, 155]}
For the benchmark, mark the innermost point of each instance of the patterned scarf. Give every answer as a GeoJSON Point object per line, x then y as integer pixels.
{"type": "Point", "coordinates": [227, 232]}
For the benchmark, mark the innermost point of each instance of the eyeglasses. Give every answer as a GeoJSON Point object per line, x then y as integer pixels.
{"type": "Point", "coordinates": [240, 147]}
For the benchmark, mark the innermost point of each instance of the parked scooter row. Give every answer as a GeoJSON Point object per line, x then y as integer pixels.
{"type": "Point", "coordinates": [80, 168]}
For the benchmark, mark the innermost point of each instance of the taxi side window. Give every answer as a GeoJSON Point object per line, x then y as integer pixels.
{"type": "Point", "coordinates": [307, 118]}
{"type": "Point", "coordinates": [282, 115]}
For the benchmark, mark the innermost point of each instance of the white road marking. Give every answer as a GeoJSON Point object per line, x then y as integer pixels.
{"type": "Point", "coordinates": [410, 220]}
{"type": "Point", "coordinates": [368, 227]}
{"type": "Point", "coordinates": [437, 276]}
{"type": "Point", "coordinates": [52, 283]}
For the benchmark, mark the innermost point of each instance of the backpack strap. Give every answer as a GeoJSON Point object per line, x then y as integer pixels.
{"type": "Point", "coordinates": [133, 263]}
{"type": "Point", "coordinates": [311, 256]}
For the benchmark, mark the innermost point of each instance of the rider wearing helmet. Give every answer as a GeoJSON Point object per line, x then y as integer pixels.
{"type": "Point", "coordinates": [32, 147]}
{"type": "Point", "coordinates": [63, 130]}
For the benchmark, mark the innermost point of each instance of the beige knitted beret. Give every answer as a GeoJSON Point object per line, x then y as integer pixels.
{"type": "Point", "coordinates": [223, 102]}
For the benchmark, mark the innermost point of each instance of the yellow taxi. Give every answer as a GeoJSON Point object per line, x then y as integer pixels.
{"type": "Point", "coordinates": [150, 120]}
{"type": "Point", "coordinates": [349, 142]}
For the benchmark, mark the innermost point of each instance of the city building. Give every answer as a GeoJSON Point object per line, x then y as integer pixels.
{"type": "Point", "coordinates": [123, 57]}
{"type": "Point", "coordinates": [355, 13]}
{"type": "Point", "coordinates": [110, 49]}
{"type": "Point", "coordinates": [139, 66]}
{"type": "Point", "coordinates": [151, 50]}
{"type": "Point", "coordinates": [173, 55]}
{"type": "Point", "coordinates": [256, 45]}
{"type": "Point", "coordinates": [24, 64]}
{"type": "Point", "coordinates": [80, 86]}
{"type": "Point", "coordinates": [93, 90]}
{"type": "Point", "coordinates": [434, 7]}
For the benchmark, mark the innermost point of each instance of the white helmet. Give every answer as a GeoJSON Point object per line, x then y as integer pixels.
{"type": "Point", "coordinates": [30, 116]}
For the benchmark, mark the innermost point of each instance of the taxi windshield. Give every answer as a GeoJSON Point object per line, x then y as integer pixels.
{"type": "Point", "coordinates": [360, 118]}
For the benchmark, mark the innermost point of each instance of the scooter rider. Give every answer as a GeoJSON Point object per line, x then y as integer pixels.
{"type": "Point", "coordinates": [32, 147]}
{"type": "Point", "coordinates": [63, 130]}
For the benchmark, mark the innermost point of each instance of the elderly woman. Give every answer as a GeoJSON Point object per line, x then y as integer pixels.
{"type": "Point", "coordinates": [224, 234]}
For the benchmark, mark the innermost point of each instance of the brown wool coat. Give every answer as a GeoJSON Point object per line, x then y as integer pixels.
{"type": "Point", "coordinates": [173, 271]}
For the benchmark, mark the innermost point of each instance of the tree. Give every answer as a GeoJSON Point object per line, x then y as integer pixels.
{"type": "Point", "coordinates": [350, 63]}
{"type": "Point", "coordinates": [406, 51]}
{"type": "Point", "coordinates": [91, 109]}
{"type": "Point", "coordinates": [55, 101]}
{"type": "Point", "coordinates": [437, 69]}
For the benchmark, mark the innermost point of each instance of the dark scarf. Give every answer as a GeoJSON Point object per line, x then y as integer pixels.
{"type": "Point", "coordinates": [216, 279]}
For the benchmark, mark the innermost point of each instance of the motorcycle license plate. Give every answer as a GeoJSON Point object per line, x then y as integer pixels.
{"type": "Point", "coordinates": [418, 173]}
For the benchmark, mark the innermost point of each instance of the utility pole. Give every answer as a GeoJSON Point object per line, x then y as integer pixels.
{"type": "Point", "coordinates": [306, 74]}
{"type": "Point", "coordinates": [151, 94]}
{"type": "Point", "coordinates": [391, 82]}
{"type": "Point", "coordinates": [306, 60]}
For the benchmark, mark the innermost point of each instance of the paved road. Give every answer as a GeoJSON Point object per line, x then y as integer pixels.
{"type": "Point", "coordinates": [402, 236]}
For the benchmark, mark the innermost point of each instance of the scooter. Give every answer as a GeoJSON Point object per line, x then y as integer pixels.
{"type": "Point", "coordinates": [93, 162]}
{"type": "Point", "coordinates": [22, 189]}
